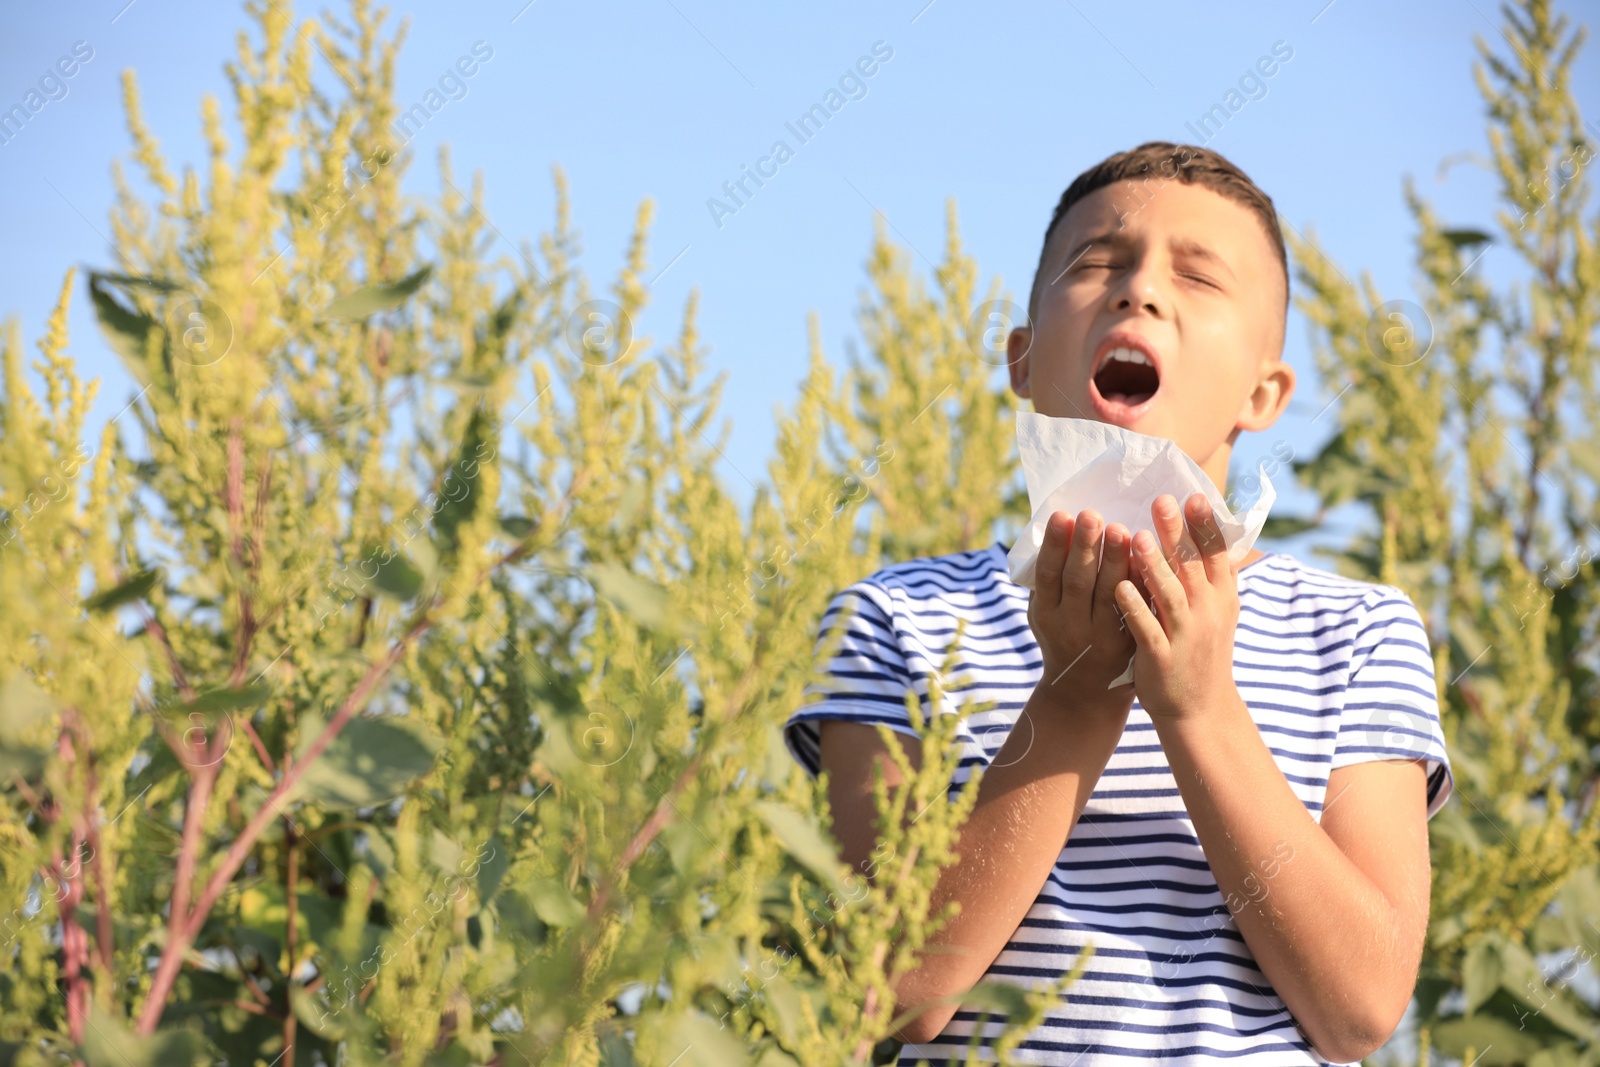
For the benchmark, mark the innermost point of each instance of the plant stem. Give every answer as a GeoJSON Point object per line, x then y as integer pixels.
{"type": "Point", "coordinates": [291, 881]}
{"type": "Point", "coordinates": [182, 928]}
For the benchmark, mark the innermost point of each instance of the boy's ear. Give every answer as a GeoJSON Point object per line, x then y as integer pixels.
{"type": "Point", "coordinates": [1018, 344]}
{"type": "Point", "coordinates": [1269, 398]}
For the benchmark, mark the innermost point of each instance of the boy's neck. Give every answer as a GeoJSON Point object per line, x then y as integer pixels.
{"type": "Point", "coordinates": [1216, 468]}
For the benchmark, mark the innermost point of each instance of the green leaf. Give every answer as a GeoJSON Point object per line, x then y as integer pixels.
{"type": "Point", "coordinates": [557, 752]}
{"type": "Point", "coordinates": [315, 1015]}
{"type": "Point", "coordinates": [370, 299]}
{"type": "Point", "coordinates": [1430, 990]}
{"type": "Point", "coordinates": [224, 700]}
{"type": "Point", "coordinates": [1481, 972]}
{"type": "Point", "coordinates": [240, 1037]}
{"type": "Point", "coordinates": [1444, 931]}
{"type": "Point", "coordinates": [23, 705]}
{"type": "Point", "coordinates": [492, 870]}
{"type": "Point", "coordinates": [126, 329]}
{"type": "Point", "coordinates": [631, 506]}
{"type": "Point", "coordinates": [614, 1048]}
{"type": "Point", "coordinates": [462, 485]}
{"type": "Point", "coordinates": [1005, 998]}
{"type": "Point", "coordinates": [1580, 907]}
{"type": "Point", "coordinates": [721, 962]}
{"type": "Point", "coordinates": [1585, 455]}
{"type": "Point", "coordinates": [1336, 474]}
{"type": "Point", "coordinates": [681, 840]}
{"type": "Point", "coordinates": [784, 999]}
{"type": "Point", "coordinates": [780, 765]}
{"type": "Point", "coordinates": [1287, 525]}
{"type": "Point", "coordinates": [1518, 968]}
{"type": "Point", "coordinates": [443, 852]}
{"type": "Point", "coordinates": [1564, 1055]}
{"type": "Point", "coordinates": [425, 557]}
{"type": "Point", "coordinates": [700, 1042]}
{"type": "Point", "coordinates": [380, 853]}
{"type": "Point", "coordinates": [453, 1055]}
{"type": "Point", "coordinates": [398, 577]}
{"type": "Point", "coordinates": [991, 995]}
{"type": "Point", "coordinates": [470, 384]}
{"type": "Point", "coordinates": [519, 917]}
{"type": "Point", "coordinates": [1561, 1010]}
{"type": "Point", "coordinates": [642, 600]}
{"type": "Point", "coordinates": [1495, 1040]}
{"type": "Point", "coordinates": [369, 763]}
{"type": "Point", "coordinates": [493, 342]}
{"type": "Point", "coordinates": [803, 838]}
{"type": "Point", "coordinates": [139, 281]}
{"type": "Point", "coordinates": [1465, 237]}
{"type": "Point", "coordinates": [1552, 933]}
{"type": "Point", "coordinates": [553, 903]}
{"type": "Point", "coordinates": [132, 589]}
{"type": "Point", "coordinates": [262, 906]}
{"type": "Point", "coordinates": [517, 526]}
{"type": "Point", "coordinates": [109, 1042]}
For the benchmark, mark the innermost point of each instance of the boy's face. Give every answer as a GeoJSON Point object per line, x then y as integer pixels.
{"type": "Point", "coordinates": [1186, 277]}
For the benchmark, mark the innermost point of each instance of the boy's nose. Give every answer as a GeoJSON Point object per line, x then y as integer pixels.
{"type": "Point", "coordinates": [1145, 296]}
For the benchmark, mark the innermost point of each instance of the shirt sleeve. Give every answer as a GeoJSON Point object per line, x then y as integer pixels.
{"type": "Point", "coordinates": [864, 680]}
{"type": "Point", "coordinates": [1391, 708]}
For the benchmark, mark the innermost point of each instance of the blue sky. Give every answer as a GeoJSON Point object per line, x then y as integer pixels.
{"type": "Point", "coordinates": [996, 106]}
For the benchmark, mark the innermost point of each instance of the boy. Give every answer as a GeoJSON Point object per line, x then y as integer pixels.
{"type": "Point", "coordinates": [1241, 832]}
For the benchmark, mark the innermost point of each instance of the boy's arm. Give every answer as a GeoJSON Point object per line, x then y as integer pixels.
{"type": "Point", "coordinates": [1032, 790]}
{"type": "Point", "coordinates": [1335, 915]}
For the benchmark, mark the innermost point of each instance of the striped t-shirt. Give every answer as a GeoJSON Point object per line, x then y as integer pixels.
{"type": "Point", "coordinates": [1335, 671]}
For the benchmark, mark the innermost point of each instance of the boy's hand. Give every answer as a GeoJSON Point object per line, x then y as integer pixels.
{"type": "Point", "coordinates": [1184, 665]}
{"type": "Point", "coordinates": [1073, 611]}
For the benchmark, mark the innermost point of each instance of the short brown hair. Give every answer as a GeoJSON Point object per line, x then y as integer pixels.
{"type": "Point", "coordinates": [1189, 164]}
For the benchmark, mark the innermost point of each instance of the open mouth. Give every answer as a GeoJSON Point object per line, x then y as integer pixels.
{"type": "Point", "coordinates": [1126, 379]}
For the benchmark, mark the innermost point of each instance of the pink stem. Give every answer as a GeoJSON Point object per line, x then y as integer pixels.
{"type": "Point", "coordinates": [184, 928]}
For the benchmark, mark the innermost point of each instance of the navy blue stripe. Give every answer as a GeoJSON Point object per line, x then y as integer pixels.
{"type": "Point", "coordinates": [1242, 625]}
{"type": "Point", "coordinates": [943, 583]}
{"type": "Point", "coordinates": [1319, 651]}
{"type": "Point", "coordinates": [909, 605]}
{"type": "Point", "coordinates": [1353, 598]}
{"type": "Point", "coordinates": [1092, 931]}
{"type": "Point", "coordinates": [974, 563]}
{"type": "Point", "coordinates": [1394, 642]}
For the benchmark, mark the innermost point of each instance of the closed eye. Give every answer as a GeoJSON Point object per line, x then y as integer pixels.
{"type": "Point", "coordinates": [1201, 278]}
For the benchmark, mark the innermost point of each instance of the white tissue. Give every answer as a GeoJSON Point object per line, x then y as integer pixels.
{"type": "Point", "coordinates": [1072, 464]}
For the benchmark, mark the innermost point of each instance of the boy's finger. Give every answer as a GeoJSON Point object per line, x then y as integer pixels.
{"type": "Point", "coordinates": [1166, 590]}
{"type": "Point", "coordinates": [1144, 627]}
{"type": "Point", "coordinates": [1136, 575]}
{"type": "Point", "coordinates": [1207, 536]}
{"type": "Point", "coordinates": [1052, 557]}
{"type": "Point", "coordinates": [1179, 552]}
{"type": "Point", "coordinates": [1083, 561]}
{"type": "Point", "coordinates": [1113, 571]}
{"type": "Point", "coordinates": [1167, 522]}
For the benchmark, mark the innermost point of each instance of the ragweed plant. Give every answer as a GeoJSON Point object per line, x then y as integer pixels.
{"type": "Point", "coordinates": [1466, 430]}
{"type": "Point", "coordinates": [393, 680]}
